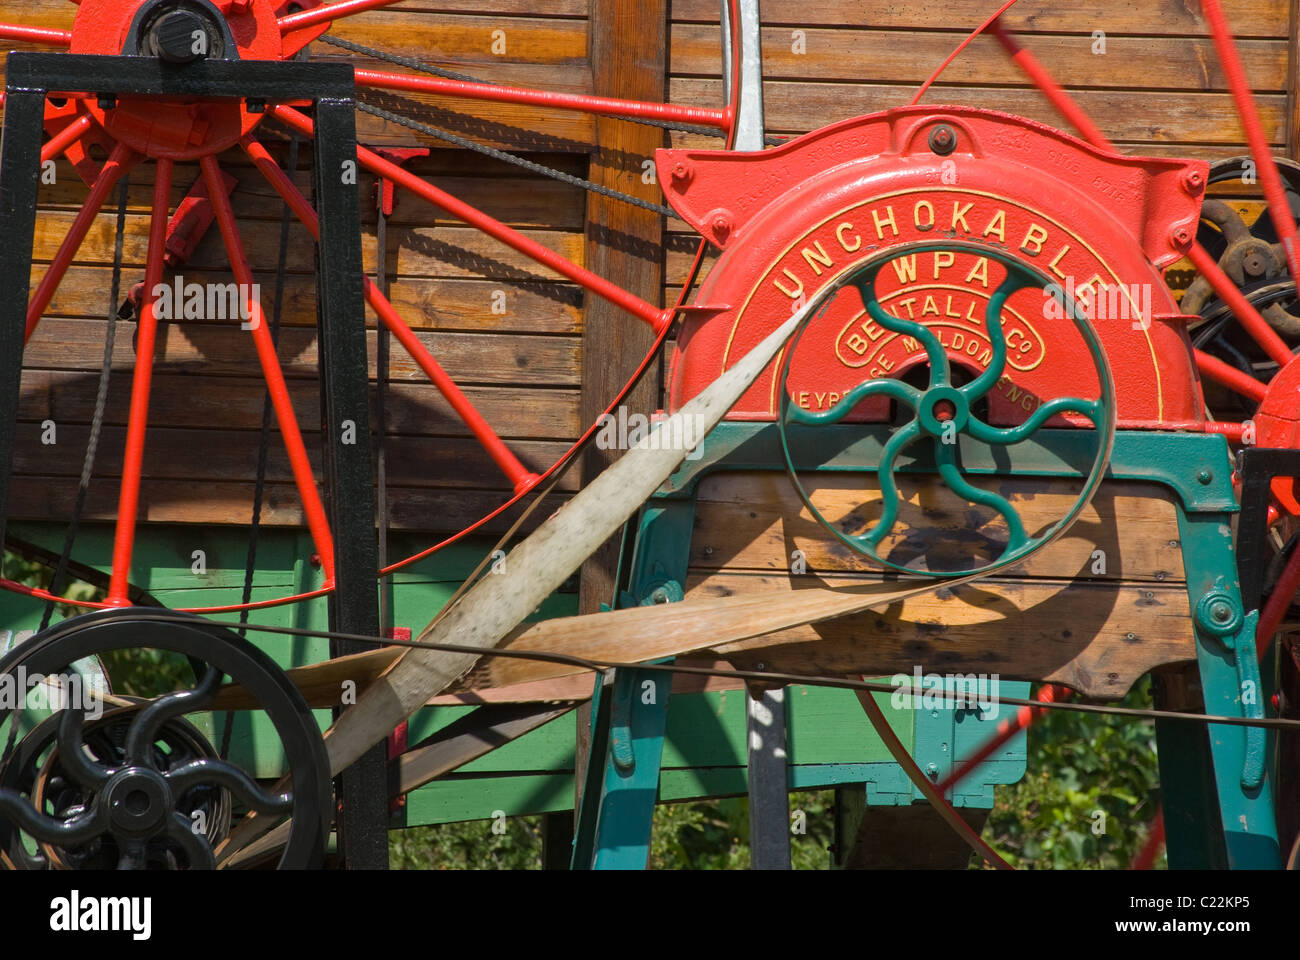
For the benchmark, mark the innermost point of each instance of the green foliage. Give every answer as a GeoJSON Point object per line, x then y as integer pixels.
{"type": "Point", "coordinates": [31, 573]}
{"type": "Point", "coordinates": [1084, 770]}
{"type": "Point", "coordinates": [468, 846]}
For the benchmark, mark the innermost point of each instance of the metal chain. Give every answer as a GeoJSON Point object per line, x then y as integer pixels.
{"type": "Point", "coordinates": [517, 161]}
{"type": "Point", "coordinates": [505, 157]}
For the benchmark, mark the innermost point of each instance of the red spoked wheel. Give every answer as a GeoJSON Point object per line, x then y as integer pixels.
{"type": "Point", "coordinates": [131, 131]}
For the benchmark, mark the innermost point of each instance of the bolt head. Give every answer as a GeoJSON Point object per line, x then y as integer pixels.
{"type": "Point", "coordinates": [174, 36]}
{"type": "Point", "coordinates": [682, 172]}
{"type": "Point", "coordinates": [1193, 181]}
{"type": "Point", "coordinates": [1182, 237]}
{"type": "Point", "coordinates": [943, 140]}
{"type": "Point", "coordinates": [721, 225]}
{"type": "Point", "coordinates": [1204, 477]}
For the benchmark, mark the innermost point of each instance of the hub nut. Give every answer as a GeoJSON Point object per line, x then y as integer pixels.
{"type": "Point", "coordinates": [182, 36]}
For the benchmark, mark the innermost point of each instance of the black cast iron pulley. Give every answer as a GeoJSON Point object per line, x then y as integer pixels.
{"type": "Point", "coordinates": [136, 785]}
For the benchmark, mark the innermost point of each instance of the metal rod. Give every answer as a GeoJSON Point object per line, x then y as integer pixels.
{"type": "Point", "coordinates": [313, 18]}
{"type": "Point", "coordinates": [1229, 376]}
{"type": "Point", "coordinates": [658, 318]}
{"type": "Point", "coordinates": [48, 35]}
{"type": "Point", "coordinates": [113, 169]}
{"type": "Point", "coordinates": [520, 476]}
{"type": "Point", "coordinates": [276, 387]}
{"type": "Point", "coordinates": [138, 418]}
{"type": "Point", "coordinates": [582, 103]}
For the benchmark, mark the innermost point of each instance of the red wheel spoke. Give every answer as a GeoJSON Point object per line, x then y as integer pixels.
{"type": "Point", "coordinates": [45, 35]}
{"type": "Point", "coordinates": [335, 11]}
{"type": "Point", "coordinates": [1042, 79]}
{"type": "Point", "coordinates": [1229, 376]}
{"type": "Point", "coordinates": [142, 379]}
{"type": "Point", "coordinates": [603, 288]}
{"type": "Point", "coordinates": [66, 137]}
{"type": "Point", "coordinates": [303, 476]}
{"type": "Point", "coordinates": [679, 113]}
{"type": "Point", "coordinates": [1250, 318]}
{"type": "Point", "coordinates": [520, 476]}
{"type": "Point", "coordinates": [1278, 208]}
{"type": "Point", "coordinates": [117, 164]}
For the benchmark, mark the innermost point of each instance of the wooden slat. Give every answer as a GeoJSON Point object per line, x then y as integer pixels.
{"type": "Point", "coordinates": [414, 409]}
{"type": "Point", "coordinates": [228, 455]}
{"type": "Point", "coordinates": [1249, 18]}
{"type": "Point", "coordinates": [1128, 115]}
{"type": "Point", "coordinates": [754, 522]}
{"type": "Point", "coordinates": [226, 350]}
{"type": "Point", "coordinates": [1096, 638]}
{"type": "Point", "coordinates": [891, 56]}
{"type": "Point", "coordinates": [441, 304]}
{"type": "Point", "coordinates": [188, 502]}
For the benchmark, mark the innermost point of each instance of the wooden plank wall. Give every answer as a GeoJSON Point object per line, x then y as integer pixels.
{"type": "Point", "coordinates": [1157, 89]}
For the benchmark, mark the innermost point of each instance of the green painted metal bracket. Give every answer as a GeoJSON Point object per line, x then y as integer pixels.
{"type": "Point", "coordinates": [1193, 465]}
{"type": "Point", "coordinates": [1230, 683]}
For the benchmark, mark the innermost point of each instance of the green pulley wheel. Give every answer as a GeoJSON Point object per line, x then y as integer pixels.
{"type": "Point", "coordinates": [942, 411]}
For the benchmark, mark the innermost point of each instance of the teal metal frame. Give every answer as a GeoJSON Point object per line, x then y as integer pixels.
{"type": "Point", "coordinates": [1221, 813]}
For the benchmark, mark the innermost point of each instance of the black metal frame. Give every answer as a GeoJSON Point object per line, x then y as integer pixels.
{"type": "Point", "coordinates": [1258, 466]}
{"type": "Point", "coordinates": [30, 77]}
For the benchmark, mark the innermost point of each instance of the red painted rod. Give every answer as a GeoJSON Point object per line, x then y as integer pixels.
{"type": "Point", "coordinates": [1275, 607]}
{"type": "Point", "coordinates": [65, 137]}
{"type": "Point", "coordinates": [1245, 312]}
{"type": "Point", "coordinates": [657, 318]}
{"type": "Point", "coordinates": [115, 166]}
{"type": "Point", "coordinates": [137, 421]}
{"type": "Point", "coordinates": [46, 35]}
{"type": "Point", "coordinates": [516, 472]}
{"type": "Point", "coordinates": [1233, 431]}
{"type": "Point", "coordinates": [1229, 376]}
{"type": "Point", "coordinates": [313, 18]}
{"type": "Point", "coordinates": [303, 477]}
{"type": "Point", "coordinates": [1050, 88]}
{"type": "Point", "coordinates": [1278, 208]}
{"type": "Point", "coordinates": [681, 113]}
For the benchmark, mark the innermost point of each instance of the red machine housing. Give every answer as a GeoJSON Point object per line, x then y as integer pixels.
{"type": "Point", "coordinates": [793, 219]}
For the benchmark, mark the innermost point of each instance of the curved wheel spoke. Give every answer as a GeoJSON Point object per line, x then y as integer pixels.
{"type": "Point", "coordinates": [235, 780]}
{"type": "Point", "coordinates": [197, 849]}
{"type": "Point", "coordinates": [86, 827]}
{"type": "Point", "coordinates": [938, 357]}
{"type": "Point", "coordinates": [144, 727]}
{"type": "Point", "coordinates": [945, 455]}
{"type": "Point", "coordinates": [1005, 436]}
{"type": "Point", "coordinates": [888, 485]}
{"type": "Point", "coordinates": [72, 756]}
{"type": "Point", "coordinates": [993, 323]}
{"type": "Point", "coordinates": [888, 387]}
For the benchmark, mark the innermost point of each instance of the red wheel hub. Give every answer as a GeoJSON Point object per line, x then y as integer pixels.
{"type": "Point", "coordinates": [175, 130]}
